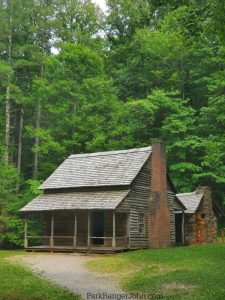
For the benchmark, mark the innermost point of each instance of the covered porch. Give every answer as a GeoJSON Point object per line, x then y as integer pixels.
{"type": "Point", "coordinates": [77, 231]}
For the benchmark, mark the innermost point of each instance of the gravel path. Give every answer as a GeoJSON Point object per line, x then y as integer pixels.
{"type": "Point", "coordinates": [68, 270]}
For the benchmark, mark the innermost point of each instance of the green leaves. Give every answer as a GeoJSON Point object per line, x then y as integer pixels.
{"type": "Point", "coordinates": [5, 72]}
{"type": "Point", "coordinates": [8, 179]}
{"type": "Point", "coordinates": [77, 21]}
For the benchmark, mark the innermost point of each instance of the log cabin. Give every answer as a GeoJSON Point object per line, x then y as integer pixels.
{"type": "Point", "coordinates": [107, 202]}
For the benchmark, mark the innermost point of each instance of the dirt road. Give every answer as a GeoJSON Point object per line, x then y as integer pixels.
{"type": "Point", "coordinates": [69, 270]}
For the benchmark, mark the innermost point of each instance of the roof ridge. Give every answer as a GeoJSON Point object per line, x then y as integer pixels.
{"type": "Point", "coordinates": [112, 152]}
{"type": "Point", "coordinates": [183, 194]}
{"type": "Point", "coordinates": [189, 193]}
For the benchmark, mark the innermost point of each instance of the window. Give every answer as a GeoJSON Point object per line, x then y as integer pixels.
{"type": "Point", "coordinates": [141, 223]}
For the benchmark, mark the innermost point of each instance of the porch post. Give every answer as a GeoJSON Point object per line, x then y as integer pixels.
{"type": "Point", "coordinates": [75, 231]}
{"type": "Point", "coordinates": [128, 229]}
{"type": "Point", "coordinates": [52, 232]}
{"type": "Point", "coordinates": [89, 230]}
{"type": "Point", "coordinates": [114, 230]}
{"type": "Point", "coordinates": [25, 234]}
{"type": "Point", "coordinates": [183, 227]}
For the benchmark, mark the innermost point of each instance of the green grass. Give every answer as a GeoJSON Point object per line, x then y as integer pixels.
{"type": "Point", "coordinates": [194, 272]}
{"type": "Point", "coordinates": [18, 283]}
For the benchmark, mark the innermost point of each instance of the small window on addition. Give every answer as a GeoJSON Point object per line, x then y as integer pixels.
{"type": "Point", "coordinates": [141, 223]}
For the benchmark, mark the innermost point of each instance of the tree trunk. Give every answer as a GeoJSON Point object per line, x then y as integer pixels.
{"type": "Point", "coordinates": [37, 139]}
{"type": "Point", "coordinates": [19, 155]}
{"type": "Point", "coordinates": [7, 98]}
{"type": "Point", "coordinates": [182, 75]}
{"type": "Point", "coordinates": [7, 125]}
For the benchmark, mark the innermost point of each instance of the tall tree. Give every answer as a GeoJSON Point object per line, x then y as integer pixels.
{"type": "Point", "coordinates": [78, 21]}
{"type": "Point", "coordinates": [8, 9]}
{"type": "Point", "coordinates": [42, 35]}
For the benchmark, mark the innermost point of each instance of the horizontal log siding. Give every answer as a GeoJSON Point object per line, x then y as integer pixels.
{"type": "Point", "coordinates": [171, 198]}
{"type": "Point", "coordinates": [124, 206]}
{"type": "Point", "coordinates": [82, 227]}
{"type": "Point", "coordinates": [137, 202]}
{"type": "Point", "coordinates": [138, 199]}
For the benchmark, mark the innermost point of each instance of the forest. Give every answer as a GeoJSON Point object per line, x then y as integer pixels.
{"type": "Point", "coordinates": [75, 79]}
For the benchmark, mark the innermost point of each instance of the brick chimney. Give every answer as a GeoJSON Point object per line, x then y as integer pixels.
{"type": "Point", "coordinates": [159, 210]}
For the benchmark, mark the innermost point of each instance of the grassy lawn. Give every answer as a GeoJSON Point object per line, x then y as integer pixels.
{"type": "Point", "coordinates": [18, 283]}
{"type": "Point", "coordinates": [195, 272]}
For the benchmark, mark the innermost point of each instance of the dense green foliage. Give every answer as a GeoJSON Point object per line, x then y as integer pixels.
{"type": "Point", "coordinates": [74, 80]}
{"type": "Point", "coordinates": [175, 273]}
{"type": "Point", "coordinates": [17, 282]}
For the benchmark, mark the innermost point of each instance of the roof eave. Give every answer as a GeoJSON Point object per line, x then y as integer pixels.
{"type": "Point", "coordinates": [184, 207]}
{"type": "Point", "coordinates": [88, 187]}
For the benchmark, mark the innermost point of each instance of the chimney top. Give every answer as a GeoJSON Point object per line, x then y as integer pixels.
{"type": "Point", "coordinates": [203, 189]}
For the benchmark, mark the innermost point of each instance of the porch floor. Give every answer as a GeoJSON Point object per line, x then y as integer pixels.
{"type": "Point", "coordinates": [43, 248]}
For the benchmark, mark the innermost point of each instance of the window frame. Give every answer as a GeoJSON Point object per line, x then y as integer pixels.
{"type": "Point", "coordinates": [141, 223]}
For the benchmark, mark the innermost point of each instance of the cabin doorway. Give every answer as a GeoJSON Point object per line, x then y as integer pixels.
{"type": "Point", "coordinates": [97, 228]}
{"type": "Point", "coordinates": [179, 228]}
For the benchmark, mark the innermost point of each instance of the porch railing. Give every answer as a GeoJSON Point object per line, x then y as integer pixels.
{"type": "Point", "coordinates": [72, 242]}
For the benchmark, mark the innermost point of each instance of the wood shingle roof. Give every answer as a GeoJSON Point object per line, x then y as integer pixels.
{"type": "Point", "coordinates": [111, 168]}
{"type": "Point", "coordinates": [190, 200]}
{"type": "Point", "coordinates": [76, 200]}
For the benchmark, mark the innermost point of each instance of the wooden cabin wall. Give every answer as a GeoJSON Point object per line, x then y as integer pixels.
{"type": "Point", "coordinates": [121, 228]}
{"type": "Point", "coordinates": [108, 220]}
{"type": "Point", "coordinates": [82, 227]}
{"type": "Point", "coordinates": [124, 206]}
{"type": "Point", "coordinates": [137, 202]}
{"type": "Point", "coordinates": [121, 224]}
{"type": "Point", "coordinates": [47, 223]}
{"type": "Point", "coordinates": [173, 205]}
{"type": "Point", "coordinates": [108, 228]}
{"type": "Point", "coordinates": [63, 226]}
